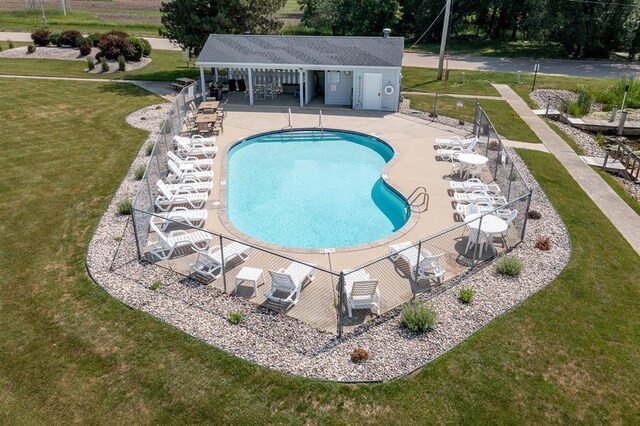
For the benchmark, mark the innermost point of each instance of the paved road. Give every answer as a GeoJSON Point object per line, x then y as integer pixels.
{"type": "Point", "coordinates": [618, 212]}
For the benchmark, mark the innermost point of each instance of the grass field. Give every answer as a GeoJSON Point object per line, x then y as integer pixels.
{"type": "Point", "coordinates": [71, 353]}
{"type": "Point", "coordinates": [507, 122]}
{"type": "Point", "coordinates": [496, 48]}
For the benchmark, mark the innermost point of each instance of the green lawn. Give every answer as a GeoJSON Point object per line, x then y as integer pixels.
{"type": "Point", "coordinates": [496, 48]}
{"type": "Point", "coordinates": [166, 65]}
{"type": "Point", "coordinates": [508, 123]}
{"type": "Point", "coordinates": [71, 353]}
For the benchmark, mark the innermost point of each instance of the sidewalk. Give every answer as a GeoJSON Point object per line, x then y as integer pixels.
{"type": "Point", "coordinates": [620, 214]}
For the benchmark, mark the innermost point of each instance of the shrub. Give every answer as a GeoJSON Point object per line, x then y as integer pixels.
{"type": "Point", "coordinates": [359, 355]}
{"type": "Point", "coordinates": [147, 47]}
{"type": "Point", "coordinates": [155, 285]}
{"type": "Point", "coordinates": [104, 64]}
{"type": "Point", "coordinates": [117, 239]}
{"type": "Point", "coordinates": [139, 172]}
{"type": "Point", "coordinates": [235, 317]}
{"type": "Point", "coordinates": [543, 243]}
{"type": "Point", "coordinates": [122, 63]}
{"type": "Point", "coordinates": [85, 49]}
{"type": "Point", "coordinates": [56, 39]}
{"type": "Point", "coordinates": [90, 64]}
{"type": "Point", "coordinates": [509, 265]}
{"type": "Point", "coordinates": [534, 214]}
{"type": "Point", "coordinates": [138, 47]}
{"type": "Point", "coordinates": [112, 45]}
{"type": "Point", "coordinates": [584, 102]}
{"type": "Point", "coordinates": [466, 294]}
{"type": "Point", "coordinates": [41, 37]}
{"type": "Point", "coordinates": [124, 206]}
{"type": "Point", "coordinates": [0, 48]}
{"type": "Point", "coordinates": [418, 317]}
{"type": "Point", "coordinates": [11, 46]}
{"type": "Point", "coordinates": [600, 139]}
{"type": "Point", "coordinates": [149, 149]}
{"type": "Point", "coordinates": [95, 38]}
{"type": "Point", "coordinates": [31, 48]}
{"type": "Point", "coordinates": [70, 38]}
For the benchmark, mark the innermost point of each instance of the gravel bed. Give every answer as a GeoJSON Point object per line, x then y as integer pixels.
{"type": "Point", "coordinates": [285, 344]}
{"type": "Point", "coordinates": [554, 98]}
{"type": "Point", "coordinates": [585, 140]}
{"type": "Point", "coordinates": [405, 108]}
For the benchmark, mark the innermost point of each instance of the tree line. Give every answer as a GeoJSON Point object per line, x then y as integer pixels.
{"type": "Point", "coordinates": [584, 28]}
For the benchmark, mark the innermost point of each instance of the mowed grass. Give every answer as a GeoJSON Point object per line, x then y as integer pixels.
{"type": "Point", "coordinates": [507, 122]}
{"type": "Point", "coordinates": [166, 65]}
{"type": "Point", "coordinates": [71, 353]}
{"type": "Point", "coordinates": [496, 48]}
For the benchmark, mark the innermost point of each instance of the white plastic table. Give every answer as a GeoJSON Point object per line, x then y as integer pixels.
{"type": "Point", "coordinates": [473, 159]}
{"type": "Point", "coordinates": [249, 274]}
{"type": "Point", "coordinates": [489, 224]}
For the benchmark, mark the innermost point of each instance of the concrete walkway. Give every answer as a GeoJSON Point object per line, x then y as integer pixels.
{"type": "Point", "coordinates": [620, 214]}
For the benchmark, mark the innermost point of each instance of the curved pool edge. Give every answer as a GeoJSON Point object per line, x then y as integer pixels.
{"type": "Point", "coordinates": [228, 225]}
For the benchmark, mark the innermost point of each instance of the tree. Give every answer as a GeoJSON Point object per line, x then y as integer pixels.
{"type": "Point", "coordinates": [189, 22]}
{"type": "Point", "coordinates": [351, 17]}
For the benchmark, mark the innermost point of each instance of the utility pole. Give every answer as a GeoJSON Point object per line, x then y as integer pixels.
{"type": "Point", "coordinates": [443, 41]}
{"type": "Point", "coordinates": [64, 7]}
{"type": "Point", "coordinates": [44, 18]}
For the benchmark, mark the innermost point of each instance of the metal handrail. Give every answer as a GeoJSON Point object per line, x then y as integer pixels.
{"type": "Point", "coordinates": [415, 195]}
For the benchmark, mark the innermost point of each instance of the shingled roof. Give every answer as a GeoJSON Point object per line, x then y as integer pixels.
{"type": "Point", "coordinates": [274, 50]}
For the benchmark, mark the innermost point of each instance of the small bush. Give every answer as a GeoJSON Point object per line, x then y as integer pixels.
{"type": "Point", "coordinates": [56, 39]}
{"type": "Point", "coordinates": [359, 355]}
{"type": "Point", "coordinates": [95, 38]}
{"type": "Point", "coordinates": [543, 243]}
{"type": "Point", "coordinates": [124, 206]}
{"type": "Point", "coordinates": [139, 172]}
{"type": "Point", "coordinates": [149, 149]}
{"type": "Point", "coordinates": [122, 63]}
{"type": "Point", "coordinates": [85, 49]}
{"type": "Point", "coordinates": [11, 46]}
{"type": "Point", "coordinates": [600, 139]}
{"type": "Point", "coordinates": [90, 64]}
{"type": "Point", "coordinates": [41, 37]}
{"type": "Point", "coordinates": [235, 317]}
{"type": "Point", "coordinates": [117, 239]}
{"type": "Point", "coordinates": [147, 47]}
{"type": "Point", "coordinates": [138, 48]}
{"type": "Point", "coordinates": [584, 102]}
{"type": "Point", "coordinates": [31, 48]}
{"type": "Point", "coordinates": [466, 294]}
{"type": "Point", "coordinates": [155, 285]}
{"type": "Point", "coordinates": [104, 64]}
{"type": "Point", "coordinates": [115, 43]}
{"type": "Point", "coordinates": [418, 317]}
{"type": "Point", "coordinates": [509, 265]}
{"type": "Point", "coordinates": [535, 215]}
{"type": "Point", "coordinates": [0, 48]}
{"type": "Point", "coordinates": [70, 37]}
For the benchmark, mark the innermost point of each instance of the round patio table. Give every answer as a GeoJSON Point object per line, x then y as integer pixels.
{"type": "Point", "coordinates": [473, 159]}
{"type": "Point", "coordinates": [489, 224]}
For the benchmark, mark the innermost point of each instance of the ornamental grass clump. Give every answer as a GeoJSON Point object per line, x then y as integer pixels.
{"type": "Point", "coordinates": [235, 318]}
{"type": "Point", "coordinates": [509, 265]}
{"type": "Point", "coordinates": [122, 63]}
{"type": "Point", "coordinates": [104, 64]}
{"type": "Point", "coordinates": [155, 285]}
{"type": "Point", "coordinates": [418, 317]}
{"type": "Point", "coordinates": [359, 355]}
{"type": "Point", "coordinates": [149, 149]}
{"type": "Point", "coordinates": [139, 172]}
{"type": "Point", "coordinates": [90, 64]}
{"type": "Point", "coordinates": [124, 206]}
{"type": "Point", "coordinates": [465, 296]}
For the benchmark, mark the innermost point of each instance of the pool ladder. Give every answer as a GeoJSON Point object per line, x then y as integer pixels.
{"type": "Point", "coordinates": [419, 199]}
{"type": "Point", "coordinates": [290, 126]}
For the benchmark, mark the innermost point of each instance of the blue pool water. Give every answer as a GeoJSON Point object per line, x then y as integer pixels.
{"type": "Point", "coordinates": [312, 190]}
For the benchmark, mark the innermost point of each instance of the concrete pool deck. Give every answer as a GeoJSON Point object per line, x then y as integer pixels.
{"type": "Point", "coordinates": [414, 165]}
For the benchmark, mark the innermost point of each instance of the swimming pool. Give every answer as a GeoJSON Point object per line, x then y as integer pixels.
{"type": "Point", "coordinates": [312, 189]}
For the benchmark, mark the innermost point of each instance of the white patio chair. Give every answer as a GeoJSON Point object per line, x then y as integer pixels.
{"type": "Point", "coordinates": [429, 268]}
{"type": "Point", "coordinates": [188, 187]}
{"type": "Point", "coordinates": [508, 216]}
{"type": "Point", "coordinates": [196, 150]}
{"type": "Point", "coordinates": [289, 281]}
{"type": "Point", "coordinates": [209, 263]}
{"type": "Point", "coordinates": [184, 176]}
{"type": "Point", "coordinates": [191, 163]}
{"type": "Point", "coordinates": [195, 218]}
{"type": "Point", "coordinates": [166, 244]}
{"type": "Point", "coordinates": [473, 171]}
{"type": "Point", "coordinates": [360, 291]}
{"type": "Point", "coordinates": [166, 200]}
{"type": "Point", "coordinates": [478, 238]}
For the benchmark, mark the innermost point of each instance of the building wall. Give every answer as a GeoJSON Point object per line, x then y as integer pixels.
{"type": "Point", "coordinates": [390, 77]}
{"type": "Point", "coordinates": [342, 93]}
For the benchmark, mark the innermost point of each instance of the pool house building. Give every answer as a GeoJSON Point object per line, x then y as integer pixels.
{"type": "Point", "coordinates": [362, 73]}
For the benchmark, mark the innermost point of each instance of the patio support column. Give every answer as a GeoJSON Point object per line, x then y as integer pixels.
{"type": "Point", "coordinates": [215, 70]}
{"type": "Point", "coordinates": [202, 83]}
{"type": "Point", "coordinates": [250, 87]}
{"type": "Point", "coordinates": [301, 88]}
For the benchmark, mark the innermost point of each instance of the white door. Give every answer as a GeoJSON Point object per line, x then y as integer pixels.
{"type": "Point", "coordinates": [371, 98]}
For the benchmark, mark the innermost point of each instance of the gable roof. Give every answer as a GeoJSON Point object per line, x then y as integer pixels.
{"type": "Point", "coordinates": [248, 49]}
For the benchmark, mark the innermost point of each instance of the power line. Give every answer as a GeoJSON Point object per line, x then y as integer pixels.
{"type": "Point", "coordinates": [604, 3]}
{"type": "Point", "coordinates": [434, 21]}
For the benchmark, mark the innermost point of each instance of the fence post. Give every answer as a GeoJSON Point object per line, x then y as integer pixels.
{"type": "Point", "coordinates": [418, 262]}
{"type": "Point", "coordinates": [510, 180]}
{"type": "Point", "coordinates": [475, 246]}
{"type": "Point", "coordinates": [526, 215]}
{"type": "Point", "coordinates": [475, 121]}
{"type": "Point", "coordinates": [135, 232]}
{"type": "Point", "coordinates": [224, 277]}
{"type": "Point", "coordinates": [340, 303]}
{"type": "Point", "coordinates": [435, 107]}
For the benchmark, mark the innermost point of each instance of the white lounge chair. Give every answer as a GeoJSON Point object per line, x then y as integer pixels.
{"type": "Point", "coordinates": [480, 207]}
{"type": "Point", "coordinates": [184, 176]}
{"type": "Point", "coordinates": [209, 263]}
{"type": "Point", "coordinates": [195, 218]}
{"type": "Point", "coordinates": [429, 267]}
{"type": "Point", "coordinates": [451, 154]}
{"type": "Point", "coordinates": [456, 142]}
{"type": "Point", "coordinates": [191, 163]}
{"type": "Point", "coordinates": [474, 184]}
{"type": "Point", "coordinates": [166, 244]}
{"type": "Point", "coordinates": [167, 199]}
{"type": "Point", "coordinates": [477, 196]}
{"type": "Point", "coordinates": [188, 187]}
{"type": "Point", "coordinates": [186, 149]}
{"type": "Point", "coordinates": [194, 139]}
{"type": "Point", "coordinates": [360, 291]}
{"type": "Point", "coordinates": [289, 281]}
